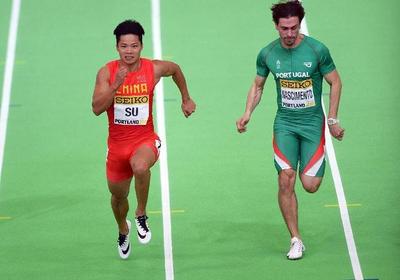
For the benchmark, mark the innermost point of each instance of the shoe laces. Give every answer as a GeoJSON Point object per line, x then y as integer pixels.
{"type": "Point", "coordinates": [122, 239]}
{"type": "Point", "coordinates": [142, 222]}
{"type": "Point", "coordinates": [296, 246]}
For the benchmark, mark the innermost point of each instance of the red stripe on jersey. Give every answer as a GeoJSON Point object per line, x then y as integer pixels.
{"type": "Point", "coordinates": [319, 153]}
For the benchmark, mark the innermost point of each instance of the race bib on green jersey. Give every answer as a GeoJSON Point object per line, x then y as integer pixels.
{"type": "Point", "coordinates": [297, 94]}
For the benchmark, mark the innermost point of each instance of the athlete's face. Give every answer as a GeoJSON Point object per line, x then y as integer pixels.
{"type": "Point", "coordinates": [289, 29]}
{"type": "Point", "coordinates": [129, 48]}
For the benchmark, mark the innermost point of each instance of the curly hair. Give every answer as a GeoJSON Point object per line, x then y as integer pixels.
{"type": "Point", "coordinates": [287, 9]}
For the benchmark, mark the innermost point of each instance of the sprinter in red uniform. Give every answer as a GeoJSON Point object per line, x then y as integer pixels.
{"type": "Point", "coordinates": [124, 89]}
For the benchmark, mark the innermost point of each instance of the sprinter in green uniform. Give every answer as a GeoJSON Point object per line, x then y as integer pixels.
{"type": "Point", "coordinates": [299, 64]}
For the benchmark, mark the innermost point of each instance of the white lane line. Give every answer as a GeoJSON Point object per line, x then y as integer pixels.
{"type": "Point", "coordinates": [8, 74]}
{"type": "Point", "coordinates": [159, 96]}
{"type": "Point", "coordinates": [344, 214]}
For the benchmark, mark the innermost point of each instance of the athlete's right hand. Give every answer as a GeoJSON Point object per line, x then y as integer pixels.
{"type": "Point", "coordinates": [242, 122]}
{"type": "Point", "coordinates": [336, 131]}
{"type": "Point", "coordinates": [120, 76]}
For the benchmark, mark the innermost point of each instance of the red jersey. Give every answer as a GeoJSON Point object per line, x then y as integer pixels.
{"type": "Point", "coordinates": [130, 117]}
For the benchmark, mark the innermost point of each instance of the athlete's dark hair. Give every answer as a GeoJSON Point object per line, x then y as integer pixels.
{"type": "Point", "coordinates": [129, 27]}
{"type": "Point", "coordinates": [287, 9]}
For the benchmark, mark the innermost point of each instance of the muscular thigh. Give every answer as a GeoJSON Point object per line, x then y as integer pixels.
{"type": "Point", "coordinates": [121, 155]}
{"type": "Point", "coordinates": [146, 152]}
{"type": "Point", "coordinates": [312, 150]}
{"type": "Point", "coordinates": [300, 144]}
{"type": "Point", "coordinates": [286, 149]}
{"type": "Point", "coordinates": [117, 164]}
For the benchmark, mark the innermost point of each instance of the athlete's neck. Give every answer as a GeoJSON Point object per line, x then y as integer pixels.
{"type": "Point", "coordinates": [297, 42]}
{"type": "Point", "coordinates": [132, 67]}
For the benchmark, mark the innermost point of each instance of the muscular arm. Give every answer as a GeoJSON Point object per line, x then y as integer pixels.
{"type": "Point", "coordinates": [253, 99]}
{"type": "Point", "coordinates": [103, 94]}
{"type": "Point", "coordinates": [167, 69]}
{"type": "Point", "coordinates": [333, 79]}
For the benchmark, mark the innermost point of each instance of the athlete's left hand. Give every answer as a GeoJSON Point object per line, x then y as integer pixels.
{"type": "Point", "coordinates": [188, 107]}
{"type": "Point", "coordinates": [336, 131]}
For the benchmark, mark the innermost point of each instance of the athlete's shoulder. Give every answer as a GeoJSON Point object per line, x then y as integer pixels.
{"type": "Point", "coordinates": [147, 61]}
{"type": "Point", "coordinates": [315, 44]}
{"type": "Point", "coordinates": [322, 53]}
{"type": "Point", "coordinates": [274, 45]}
{"type": "Point", "coordinates": [112, 63]}
{"type": "Point", "coordinates": [111, 66]}
{"type": "Point", "coordinates": [103, 75]}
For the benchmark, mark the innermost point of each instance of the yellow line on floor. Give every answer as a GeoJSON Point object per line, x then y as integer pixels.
{"type": "Point", "coordinates": [17, 62]}
{"type": "Point", "coordinates": [5, 218]}
{"type": "Point", "coordinates": [348, 205]}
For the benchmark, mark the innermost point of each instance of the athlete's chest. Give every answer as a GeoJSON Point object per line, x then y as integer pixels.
{"type": "Point", "coordinates": [294, 72]}
{"type": "Point", "coordinates": [135, 84]}
{"type": "Point", "coordinates": [292, 64]}
{"type": "Point", "coordinates": [133, 99]}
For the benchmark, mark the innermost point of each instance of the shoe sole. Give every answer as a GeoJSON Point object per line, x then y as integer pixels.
{"type": "Point", "coordinates": [295, 259]}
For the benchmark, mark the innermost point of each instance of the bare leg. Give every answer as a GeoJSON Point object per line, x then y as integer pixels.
{"type": "Point", "coordinates": [119, 203]}
{"type": "Point", "coordinates": [288, 200]}
{"type": "Point", "coordinates": [310, 183]}
{"type": "Point", "coordinates": [141, 162]}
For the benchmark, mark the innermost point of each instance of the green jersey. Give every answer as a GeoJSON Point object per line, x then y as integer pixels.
{"type": "Point", "coordinates": [298, 73]}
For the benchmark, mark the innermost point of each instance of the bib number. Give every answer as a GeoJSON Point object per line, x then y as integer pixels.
{"type": "Point", "coordinates": [131, 110]}
{"type": "Point", "coordinates": [297, 94]}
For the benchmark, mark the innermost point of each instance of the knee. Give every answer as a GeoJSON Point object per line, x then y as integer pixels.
{"type": "Point", "coordinates": [310, 183]}
{"type": "Point", "coordinates": [140, 168]}
{"type": "Point", "coordinates": [119, 191]}
{"type": "Point", "coordinates": [311, 187]}
{"type": "Point", "coordinates": [287, 174]}
{"type": "Point", "coordinates": [119, 195]}
{"type": "Point", "coordinates": [287, 178]}
{"type": "Point", "coordinates": [117, 199]}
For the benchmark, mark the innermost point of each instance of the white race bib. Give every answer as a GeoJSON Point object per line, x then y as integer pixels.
{"type": "Point", "coordinates": [297, 94]}
{"type": "Point", "coordinates": [131, 110]}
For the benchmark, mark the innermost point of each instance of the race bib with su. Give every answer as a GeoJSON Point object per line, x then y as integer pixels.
{"type": "Point", "coordinates": [131, 110]}
{"type": "Point", "coordinates": [297, 94]}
